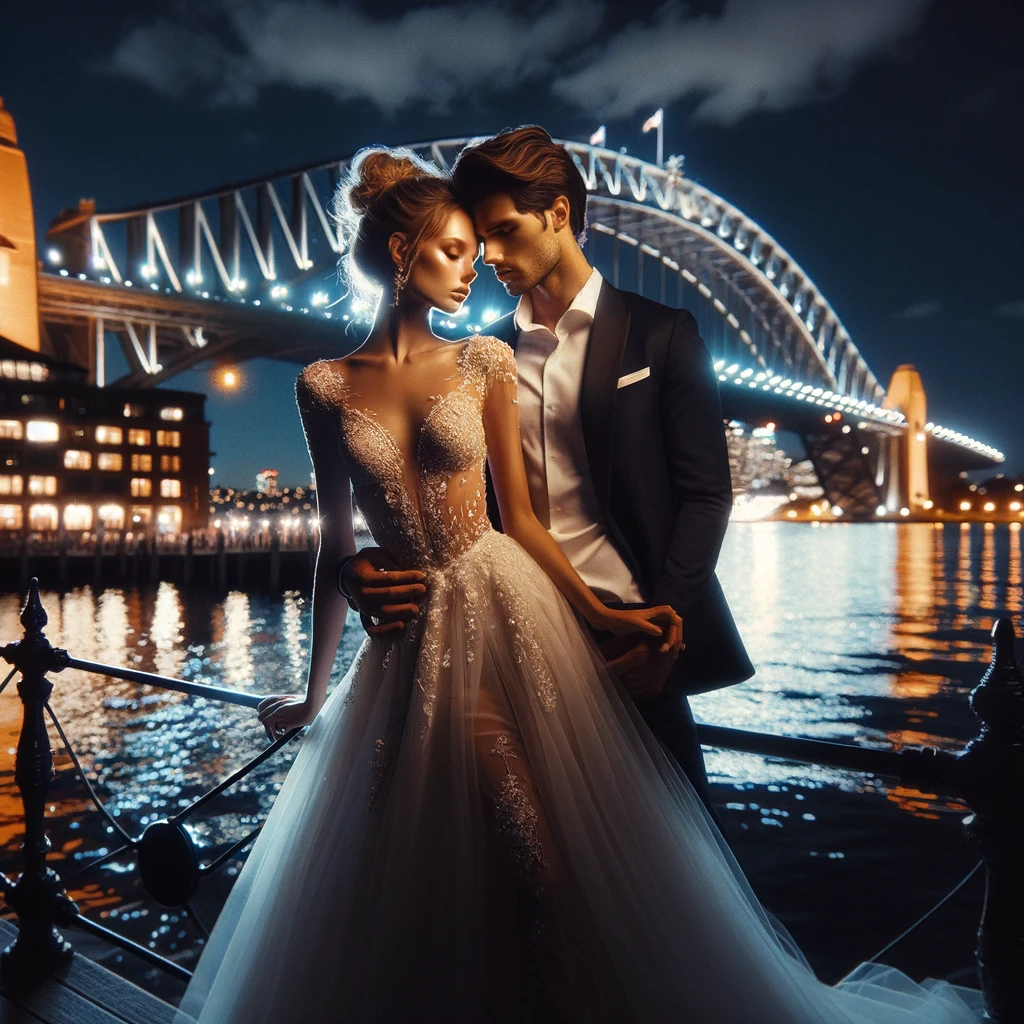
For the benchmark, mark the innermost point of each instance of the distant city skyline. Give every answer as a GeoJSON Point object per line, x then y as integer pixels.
{"type": "Point", "coordinates": [868, 137]}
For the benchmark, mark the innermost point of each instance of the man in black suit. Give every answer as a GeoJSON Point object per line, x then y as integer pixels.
{"type": "Point", "coordinates": [622, 436]}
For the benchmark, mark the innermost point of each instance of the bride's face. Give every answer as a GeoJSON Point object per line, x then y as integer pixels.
{"type": "Point", "coordinates": [443, 269]}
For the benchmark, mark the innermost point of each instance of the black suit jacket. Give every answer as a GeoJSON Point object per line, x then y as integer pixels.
{"type": "Point", "coordinates": [658, 459]}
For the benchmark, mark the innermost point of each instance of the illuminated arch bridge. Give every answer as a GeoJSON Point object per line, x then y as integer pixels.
{"type": "Point", "coordinates": [250, 271]}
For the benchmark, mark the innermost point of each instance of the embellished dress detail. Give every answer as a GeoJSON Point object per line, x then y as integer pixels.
{"type": "Point", "coordinates": [478, 826]}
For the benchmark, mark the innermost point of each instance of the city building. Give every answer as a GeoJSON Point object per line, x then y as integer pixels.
{"type": "Point", "coordinates": [74, 456]}
{"type": "Point", "coordinates": [266, 482]}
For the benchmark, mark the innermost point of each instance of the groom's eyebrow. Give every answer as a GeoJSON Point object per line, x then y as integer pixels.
{"type": "Point", "coordinates": [497, 227]}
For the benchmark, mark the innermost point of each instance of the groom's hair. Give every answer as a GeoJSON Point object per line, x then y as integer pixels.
{"type": "Point", "coordinates": [524, 164]}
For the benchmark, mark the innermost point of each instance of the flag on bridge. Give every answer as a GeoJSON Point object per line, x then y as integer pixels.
{"type": "Point", "coordinates": [599, 137]}
{"type": "Point", "coordinates": [654, 121]}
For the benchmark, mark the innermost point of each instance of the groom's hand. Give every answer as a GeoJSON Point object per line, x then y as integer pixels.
{"type": "Point", "coordinates": [388, 598]}
{"type": "Point", "coordinates": [642, 668]}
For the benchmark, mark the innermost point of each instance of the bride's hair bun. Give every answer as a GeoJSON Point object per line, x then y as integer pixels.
{"type": "Point", "coordinates": [377, 171]}
{"type": "Point", "coordinates": [388, 191]}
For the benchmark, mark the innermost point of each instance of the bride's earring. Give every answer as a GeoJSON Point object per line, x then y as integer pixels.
{"type": "Point", "coordinates": [399, 284]}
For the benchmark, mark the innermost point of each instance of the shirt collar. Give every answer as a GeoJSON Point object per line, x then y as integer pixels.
{"type": "Point", "coordinates": [585, 303]}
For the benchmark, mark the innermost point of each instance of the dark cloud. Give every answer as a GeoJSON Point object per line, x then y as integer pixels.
{"type": "Point", "coordinates": [752, 56]}
{"type": "Point", "coordinates": [1011, 310]}
{"type": "Point", "coordinates": [431, 54]}
{"type": "Point", "coordinates": [919, 310]}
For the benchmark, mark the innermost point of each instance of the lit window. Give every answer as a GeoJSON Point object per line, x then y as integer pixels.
{"type": "Point", "coordinates": [134, 411]}
{"type": "Point", "coordinates": [111, 516]}
{"type": "Point", "coordinates": [77, 460]}
{"type": "Point", "coordinates": [141, 514]}
{"type": "Point", "coordinates": [77, 517]}
{"type": "Point", "coordinates": [142, 487]}
{"type": "Point", "coordinates": [170, 488]}
{"type": "Point", "coordinates": [170, 463]}
{"type": "Point", "coordinates": [140, 438]}
{"type": "Point", "coordinates": [109, 435]}
{"type": "Point", "coordinates": [11, 429]}
{"type": "Point", "coordinates": [142, 463]}
{"type": "Point", "coordinates": [10, 484]}
{"type": "Point", "coordinates": [10, 517]}
{"type": "Point", "coordinates": [110, 461]}
{"type": "Point", "coordinates": [42, 430]}
{"type": "Point", "coordinates": [42, 517]}
{"type": "Point", "coordinates": [168, 438]}
{"type": "Point", "coordinates": [171, 413]}
{"type": "Point", "coordinates": [168, 519]}
{"type": "Point", "coordinates": [42, 485]}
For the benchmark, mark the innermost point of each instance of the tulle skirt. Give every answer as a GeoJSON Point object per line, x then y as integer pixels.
{"type": "Point", "coordinates": [478, 826]}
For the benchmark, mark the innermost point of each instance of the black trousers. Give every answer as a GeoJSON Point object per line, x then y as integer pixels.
{"type": "Point", "coordinates": [669, 717]}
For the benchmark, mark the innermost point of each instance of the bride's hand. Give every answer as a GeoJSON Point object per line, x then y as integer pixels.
{"type": "Point", "coordinates": [662, 620]}
{"type": "Point", "coordinates": [281, 713]}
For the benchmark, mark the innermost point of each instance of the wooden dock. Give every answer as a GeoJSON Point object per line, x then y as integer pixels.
{"type": "Point", "coordinates": [83, 992]}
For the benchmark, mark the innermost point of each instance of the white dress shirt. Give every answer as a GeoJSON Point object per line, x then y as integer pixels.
{"type": "Point", "coordinates": [550, 376]}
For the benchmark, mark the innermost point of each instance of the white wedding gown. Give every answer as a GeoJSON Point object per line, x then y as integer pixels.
{"type": "Point", "coordinates": [478, 825]}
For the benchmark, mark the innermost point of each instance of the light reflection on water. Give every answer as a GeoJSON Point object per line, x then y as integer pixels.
{"type": "Point", "coordinates": [870, 633]}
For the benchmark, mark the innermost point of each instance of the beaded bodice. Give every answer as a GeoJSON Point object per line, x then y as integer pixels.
{"type": "Point", "coordinates": [427, 513]}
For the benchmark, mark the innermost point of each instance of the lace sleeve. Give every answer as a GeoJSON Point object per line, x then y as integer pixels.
{"type": "Point", "coordinates": [495, 362]}
{"type": "Point", "coordinates": [317, 404]}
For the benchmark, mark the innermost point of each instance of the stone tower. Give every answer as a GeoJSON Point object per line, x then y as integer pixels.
{"type": "Point", "coordinates": [19, 287]}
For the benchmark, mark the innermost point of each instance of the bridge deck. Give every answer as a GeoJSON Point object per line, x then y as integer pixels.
{"type": "Point", "coordinates": [81, 993]}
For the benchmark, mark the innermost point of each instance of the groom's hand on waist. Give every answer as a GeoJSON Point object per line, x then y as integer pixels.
{"type": "Point", "coordinates": [639, 664]}
{"type": "Point", "coordinates": [386, 597]}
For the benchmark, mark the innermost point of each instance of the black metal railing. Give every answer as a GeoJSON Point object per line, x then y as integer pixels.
{"type": "Point", "coordinates": [987, 775]}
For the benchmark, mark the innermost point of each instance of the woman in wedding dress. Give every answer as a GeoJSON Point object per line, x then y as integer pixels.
{"type": "Point", "coordinates": [478, 826]}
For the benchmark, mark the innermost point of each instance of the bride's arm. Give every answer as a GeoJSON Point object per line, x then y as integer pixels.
{"type": "Point", "coordinates": [508, 474]}
{"type": "Point", "coordinates": [337, 539]}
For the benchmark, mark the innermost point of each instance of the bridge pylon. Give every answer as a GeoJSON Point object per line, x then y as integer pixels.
{"type": "Point", "coordinates": [906, 485]}
{"type": "Point", "coordinates": [19, 290]}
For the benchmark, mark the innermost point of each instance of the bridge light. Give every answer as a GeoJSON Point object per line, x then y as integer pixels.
{"type": "Point", "coordinates": [732, 369]}
{"type": "Point", "coordinates": [278, 291]}
{"type": "Point", "coordinates": [193, 277]}
{"type": "Point", "coordinates": [904, 511]}
{"type": "Point", "coordinates": [320, 299]}
{"type": "Point", "coordinates": [770, 427]}
{"type": "Point", "coordinates": [229, 379]}
{"type": "Point", "coordinates": [846, 428]}
{"type": "Point", "coordinates": [828, 419]}
{"type": "Point", "coordinates": [837, 510]}
{"type": "Point", "coordinates": [1018, 487]}
{"type": "Point", "coordinates": [965, 506]}
{"type": "Point", "coordinates": [99, 263]}
{"type": "Point", "coordinates": [1014, 506]}
{"type": "Point", "coordinates": [63, 272]}
{"type": "Point", "coordinates": [719, 363]}
{"type": "Point", "coordinates": [210, 471]}
{"type": "Point", "coordinates": [881, 510]}
{"type": "Point", "coordinates": [54, 256]}
{"type": "Point", "coordinates": [791, 514]}
{"type": "Point", "coordinates": [989, 506]}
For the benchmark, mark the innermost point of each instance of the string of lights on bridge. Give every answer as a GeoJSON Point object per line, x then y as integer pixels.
{"type": "Point", "coordinates": [812, 395]}
{"type": "Point", "coordinates": [360, 310]}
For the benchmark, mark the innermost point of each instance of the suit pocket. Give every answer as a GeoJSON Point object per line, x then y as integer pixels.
{"type": "Point", "coordinates": [632, 378]}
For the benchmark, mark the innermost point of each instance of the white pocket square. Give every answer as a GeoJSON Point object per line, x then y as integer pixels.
{"type": "Point", "coordinates": [632, 378]}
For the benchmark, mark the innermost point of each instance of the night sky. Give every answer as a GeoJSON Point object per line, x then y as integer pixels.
{"type": "Point", "coordinates": [872, 138]}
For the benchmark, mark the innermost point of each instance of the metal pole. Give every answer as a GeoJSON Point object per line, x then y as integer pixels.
{"type": "Point", "coordinates": [993, 774]}
{"type": "Point", "coordinates": [38, 897]}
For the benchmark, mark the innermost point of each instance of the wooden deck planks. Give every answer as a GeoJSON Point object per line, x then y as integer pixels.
{"type": "Point", "coordinates": [83, 992]}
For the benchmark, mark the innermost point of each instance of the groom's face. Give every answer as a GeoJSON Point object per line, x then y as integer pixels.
{"type": "Point", "coordinates": [521, 247]}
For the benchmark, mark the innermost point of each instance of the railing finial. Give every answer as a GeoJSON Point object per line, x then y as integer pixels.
{"type": "Point", "coordinates": [33, 614]}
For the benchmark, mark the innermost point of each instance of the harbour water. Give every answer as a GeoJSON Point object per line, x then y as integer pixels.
{"type": "Point", "coordinates": [872, 633]}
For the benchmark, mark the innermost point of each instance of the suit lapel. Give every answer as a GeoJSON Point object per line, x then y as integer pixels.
{"type": "Point", "coordinates": [598, 389]}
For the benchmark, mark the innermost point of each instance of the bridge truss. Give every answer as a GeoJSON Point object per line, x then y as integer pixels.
{"type": "Point", "coordinates": [250, 271]}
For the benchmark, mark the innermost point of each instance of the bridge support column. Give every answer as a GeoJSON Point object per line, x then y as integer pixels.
{"type": "Point", "coordinates": [906, 393]}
